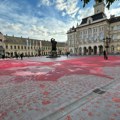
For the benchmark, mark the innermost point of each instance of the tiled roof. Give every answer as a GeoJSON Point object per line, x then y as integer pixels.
{"type": "Point", "coordinates": [20, 40]}
{"type": "Point", "coordinates": [114, 19]}
{"type": "Point", "coordinates": [15, 40]}
{"type": "Point", "coordinates": [61, 44]}
{"type": "Point", "coordinates": [73, 29]}
{"type": "Point", "coordinates": [23, 41]}
{"type": "Point", "coordinates": [94, 17]}
{"type": "Point", "coordinates": [46, 43]}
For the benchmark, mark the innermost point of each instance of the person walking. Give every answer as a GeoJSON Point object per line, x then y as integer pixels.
{"type": "Point", "coordinates": [16, 55]}
{"type": "Point", "coordinates": [67, 54]}
{"type": "Point", "coordinates": [21, 56]}
{"type": "Point", "coordinates": [105, 55]}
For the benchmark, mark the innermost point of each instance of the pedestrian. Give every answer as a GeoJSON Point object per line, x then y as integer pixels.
{"type": "Point", "coordinates": [21, 56]}
{"type": "Point", "coordinates": [105, 55]}
{"type": "Point", "coordinates": [16, 55]}
{"type": "Point", "coordinates": [67, 53]}
{"type": "Point", "coordinates": [3, 56]}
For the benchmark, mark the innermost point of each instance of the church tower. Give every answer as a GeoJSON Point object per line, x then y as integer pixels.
{"type": "Point", "coordinates": [99, 6]}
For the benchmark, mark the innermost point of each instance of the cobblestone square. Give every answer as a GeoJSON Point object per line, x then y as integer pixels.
{"type": "Point", "coordinates": [60, 89]}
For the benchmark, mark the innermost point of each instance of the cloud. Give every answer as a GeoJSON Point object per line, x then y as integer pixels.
{"type": "Point", "coordinates": [45, 3]}
{"type": "Point", "coordinates": [23, 21]}
{"type": "Point", "coordinates": [67, 6]}
{"type": "Point", "coordinates": [114, 9]}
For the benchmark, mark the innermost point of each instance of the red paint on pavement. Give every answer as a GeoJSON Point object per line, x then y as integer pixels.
{"type": "Point", "coordinates": [46, 102]}
{"type": "Point", "coordinates": [116, 99]}
{"type": "Point", "coordinates": [45, 93]}
{"type": "Point", "coordinates": [52, 71]}
{"type": "Point", "coordinates": [68, 117]}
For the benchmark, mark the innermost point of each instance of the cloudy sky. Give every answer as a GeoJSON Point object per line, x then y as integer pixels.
{"type": "Point", "coordinates": [45, 19]}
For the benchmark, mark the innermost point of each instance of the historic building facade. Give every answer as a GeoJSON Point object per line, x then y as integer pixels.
{"type": "Point", "coordinates": [95, 33]}
{"type": "Point", "coordinates": [2, 45]}
{"type": "Point", "coordinates": [17, 45]}
{"type": "Point", "coordinates": [46, 48]}
{"type": "Point", "coordinates": [11, 45]}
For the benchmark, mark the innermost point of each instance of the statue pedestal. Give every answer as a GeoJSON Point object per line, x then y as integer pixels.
{"type": "Point", "coordinates": [53, 54]}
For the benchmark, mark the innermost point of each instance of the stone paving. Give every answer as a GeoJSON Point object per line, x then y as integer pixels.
{"type": "Point", "coordinates": [60, 89]}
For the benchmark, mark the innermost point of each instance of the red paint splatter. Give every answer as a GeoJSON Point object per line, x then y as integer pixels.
{"type": "Point", "coordinates": [116, 99]}
{"type": "Point", "coordinates": [45, 93]}
{"type": "Point", "coordinates": [84, 109]}
{"type": "Point", "coordinates": [46, 102]}
{"type": "Point", "coordinates": [85, 65]}
{"type": "Point", "coordinates": [2, 115]}
{"type": "Point", "coordinates": [42, 86]}
{"type": "Point", "coordinates": [68, 117]}
{"type": "Point", "coordinates": [90, 114]}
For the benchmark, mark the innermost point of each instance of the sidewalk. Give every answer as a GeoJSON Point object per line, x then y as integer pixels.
{"type": "Point", "coordinates": [60, 90]}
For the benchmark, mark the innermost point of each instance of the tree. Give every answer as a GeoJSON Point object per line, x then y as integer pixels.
{"type": "Point", "coordinates": [107, 2]}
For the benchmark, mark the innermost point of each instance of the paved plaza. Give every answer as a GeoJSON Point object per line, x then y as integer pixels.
{"type": "Point", "coordinates": [73, 88]}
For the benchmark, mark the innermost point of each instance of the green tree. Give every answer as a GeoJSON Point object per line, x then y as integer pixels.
{"type": "Point", "coordinates": [107, 2]}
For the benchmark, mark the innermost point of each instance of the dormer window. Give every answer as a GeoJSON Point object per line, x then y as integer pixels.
{"type": "Point", "coordinates": [89, 21]}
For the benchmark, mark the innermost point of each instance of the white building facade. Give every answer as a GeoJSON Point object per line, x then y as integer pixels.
{"type": "Point", "coordinates": [95, 34]}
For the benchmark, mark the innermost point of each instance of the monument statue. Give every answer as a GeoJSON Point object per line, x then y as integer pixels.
{"type": "Point", "coordinates": [54, 43]}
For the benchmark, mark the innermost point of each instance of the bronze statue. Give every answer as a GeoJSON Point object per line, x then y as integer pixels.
{"type": "Point", "coordinates": [54, 43]}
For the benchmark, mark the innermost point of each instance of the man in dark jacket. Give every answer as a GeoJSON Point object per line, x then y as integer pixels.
{"type": "Point", "coordinates": [105, 55]}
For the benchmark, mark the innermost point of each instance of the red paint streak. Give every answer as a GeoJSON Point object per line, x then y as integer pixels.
{"type": "Point", "coordinates": [84, 109]}
{"type": "Point", "coordinates": [45, 93]}
{"type": "Point", "coordinates": [2, 115]}
{"type": "Point", "coordinates": [116, 99]}
{"type": "Point", "coordinates": [46, 102]}
{"type": "Point", "coordinates": [90, 114]}
{"type": "Point", "coordinates": [62, 108]}
{"type": "Point", "coordinates": [42, 86]}
{"type": "Point", "coordinates": [68, 117]}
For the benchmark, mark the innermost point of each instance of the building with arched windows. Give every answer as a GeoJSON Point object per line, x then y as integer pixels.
{"type": "Point", "coordinates": [11, 45]}
{"type": "Point", "coordinates": [2, 45]}
{"type": "Point", "coordinates": [95, 33]}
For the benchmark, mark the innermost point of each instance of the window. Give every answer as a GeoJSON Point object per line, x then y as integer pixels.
{"type": "Point", "coordinates": [97, 11]}
{"type": "Point", "coordinates": [89, 21]}
{"type": "Point", "coordinates": [118, 27]}
{"type": "Point", "coordinates": [6, 47]}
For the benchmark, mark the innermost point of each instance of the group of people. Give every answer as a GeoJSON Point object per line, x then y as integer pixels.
{"type": "Point", "coordinates": [17, 56]}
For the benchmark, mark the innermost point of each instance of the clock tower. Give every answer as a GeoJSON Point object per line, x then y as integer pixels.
{"type": "Point", "coordinates": [99, 6]}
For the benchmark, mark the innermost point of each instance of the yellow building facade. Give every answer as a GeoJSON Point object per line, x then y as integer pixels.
{"type": "Point", "coordinates": [11, 45]}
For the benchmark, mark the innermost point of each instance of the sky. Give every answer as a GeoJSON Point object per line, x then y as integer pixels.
{"type": "Point", "coordinates": [45, 19]}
